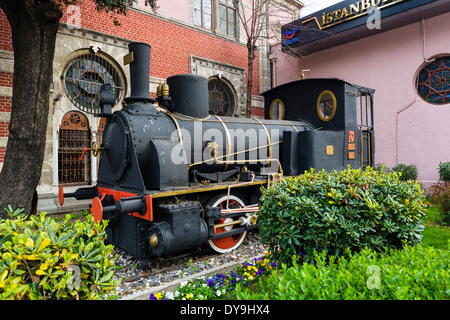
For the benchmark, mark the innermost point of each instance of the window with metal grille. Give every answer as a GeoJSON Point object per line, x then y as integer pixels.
{"type": "Point", "coordinates": [84, 75]}
{"type": "Point", "coordinates": [433, 81]}
{"type": "Point", "coordinates": [74, 136]}
{"type": "Point", "coordinates": [221, 98]}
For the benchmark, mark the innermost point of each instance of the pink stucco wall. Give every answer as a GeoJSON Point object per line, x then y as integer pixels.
{"type": "Point", "coordinates": [408, 129]}
{"type": "Point", "coordinates": [175, 9]}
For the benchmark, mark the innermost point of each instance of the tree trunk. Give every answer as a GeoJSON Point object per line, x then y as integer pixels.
{"type": "Point", "coordinates": [34, 24]}
{"type": "Point", "coordinates": [251, 57]}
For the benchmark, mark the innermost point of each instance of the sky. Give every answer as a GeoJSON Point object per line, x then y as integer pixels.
{"type": "Point", "coordinates": [315, 5]}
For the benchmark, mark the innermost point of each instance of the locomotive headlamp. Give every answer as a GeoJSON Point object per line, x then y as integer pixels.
{"type": "Point", "coordinates": [153, 240]}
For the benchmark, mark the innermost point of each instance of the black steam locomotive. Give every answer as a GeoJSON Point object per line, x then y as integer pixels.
{"type": "Point", "coordinates": [172, 177]}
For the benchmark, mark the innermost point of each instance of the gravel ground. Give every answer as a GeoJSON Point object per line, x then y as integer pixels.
{"type": "Point", "coordinates": [173, 268]}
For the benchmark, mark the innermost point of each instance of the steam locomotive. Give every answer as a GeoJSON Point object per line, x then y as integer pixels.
{"type": "Point", "coordinates": [172, 177]}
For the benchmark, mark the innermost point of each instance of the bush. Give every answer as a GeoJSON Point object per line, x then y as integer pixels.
{"type": "Point", "coordinates": [338, 210]}
{"type": "Point", "coordinates": [44, 259]}
{"type": "Point", "coordinates": [444, 171]}
{"type": "Point", "coordinates": [412, 273]}
{"type": "Point", "coordinates": [408, 172]}
{"type": "Point", "coordinates": [381, 167]}
{"type": "Point", "coordinates": [439, 194]}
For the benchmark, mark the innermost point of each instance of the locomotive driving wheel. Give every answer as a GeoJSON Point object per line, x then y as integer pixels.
{"type": "Point", "coordinates": [229, 243]}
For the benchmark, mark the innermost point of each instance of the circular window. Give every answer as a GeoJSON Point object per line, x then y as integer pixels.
{"type": "Point", "coordinates": [220, 97]}
{"type": "Point", "coordinates": [326, 105]}
{"type": "Point", "coordinates": [276, 111]}
{"type": "Point", "coordinates": [83, 77]}
{"type": "Point", "coordinates": [433, 81]}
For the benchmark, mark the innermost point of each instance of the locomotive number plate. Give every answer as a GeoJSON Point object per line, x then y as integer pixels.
{"type": "Point", "coordinates": [330, 150]}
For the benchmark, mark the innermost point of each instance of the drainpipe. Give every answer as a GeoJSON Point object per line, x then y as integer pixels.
{"type": "Point", "coordinates": [424, 53]}
{"type": "Point", "coordinates": [396, 129]}
{"type": "Point", "coordinates": [424, 42]}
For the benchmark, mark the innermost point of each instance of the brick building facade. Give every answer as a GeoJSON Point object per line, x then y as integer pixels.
{"type": "Point", "coordinates": [191, 36]}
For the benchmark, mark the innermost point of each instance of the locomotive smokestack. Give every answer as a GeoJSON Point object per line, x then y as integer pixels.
{"type": "Point", "coordinates": [139, 60]}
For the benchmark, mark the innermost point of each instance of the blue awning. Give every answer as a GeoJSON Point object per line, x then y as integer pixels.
{"type": "Point", "coordinates": [351, 20]}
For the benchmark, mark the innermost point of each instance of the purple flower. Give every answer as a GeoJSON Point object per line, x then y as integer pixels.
{"type": "Point", "coordinates": [210, 281]}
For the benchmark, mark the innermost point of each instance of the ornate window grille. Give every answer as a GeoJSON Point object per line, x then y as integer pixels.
{"type": "Point", "coordinates": [83, 77]}
{"type": "Point", "coordinates": [433, 81]}
{"type": "Point", "coordinates": [221, 98]}
{"type": "Point", "coordinates": [74, 136]}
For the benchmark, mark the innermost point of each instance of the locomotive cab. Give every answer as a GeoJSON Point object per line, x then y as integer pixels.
{"type": "Point", "coordinates": [341, 114]}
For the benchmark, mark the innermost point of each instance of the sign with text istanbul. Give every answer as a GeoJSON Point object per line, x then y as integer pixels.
{"type": "Point", "coordinates": [350, 20]}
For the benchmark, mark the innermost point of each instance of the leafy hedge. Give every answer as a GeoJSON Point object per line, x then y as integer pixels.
{"type": "Point", "coordinates": [444, 171]}
{"type": "Point", "coordinates": [439, 194]}
{"type": "Point", "coordinates": [408, 172]}
{"type": "Point", "coordinates": [44, 259]}
{"type": "Point", "coordinates": [412, 273]}
{"type": "Point", "coordinates": [339, 210]}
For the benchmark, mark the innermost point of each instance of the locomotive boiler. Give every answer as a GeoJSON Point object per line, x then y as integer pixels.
{"type": "Point", "coordinates": [172, 177]}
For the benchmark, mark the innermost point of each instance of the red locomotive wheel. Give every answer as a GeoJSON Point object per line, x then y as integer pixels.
{"type": "Point", "coordinates": [226, 244]}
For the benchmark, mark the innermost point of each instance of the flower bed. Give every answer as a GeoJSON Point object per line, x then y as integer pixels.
{"type": "Point", "coordinates": [221, 285]}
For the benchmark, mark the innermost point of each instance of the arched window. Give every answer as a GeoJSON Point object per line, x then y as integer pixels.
{"type": "Point", "coordinates": [74, 136]}
{"type": "Point", "coordinates": [221, 98]}
{"type": "Point", "coordinates": [433, 81]}
{"type": "Point", "coordinates": [84, 75]}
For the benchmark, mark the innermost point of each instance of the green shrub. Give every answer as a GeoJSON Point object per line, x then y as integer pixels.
{"type": "Point", "coordinates": [43, 259]}
{"type": "Point", "coordinates": [381, 167]}
{"type": "Point", "coordinates": [338, 210]}
{"type": "Point", "coordinates": [408, 172]}
{"type": "Point", "coordinates": [439, 194]}
{"type": "Point", "coordinates": [412, 273]}
{"type": "Point", "coordinates": [444, 171]}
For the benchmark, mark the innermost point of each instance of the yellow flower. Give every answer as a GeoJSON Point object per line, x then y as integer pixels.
{"type": "Point", "coordinates": [158, 295]}
{"type": "Point", "coordinates": [188, 296]}
{"type": "Point", "coordinates": [248, 276]}
{"type": "Point", "coordinates": [329, 194]}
